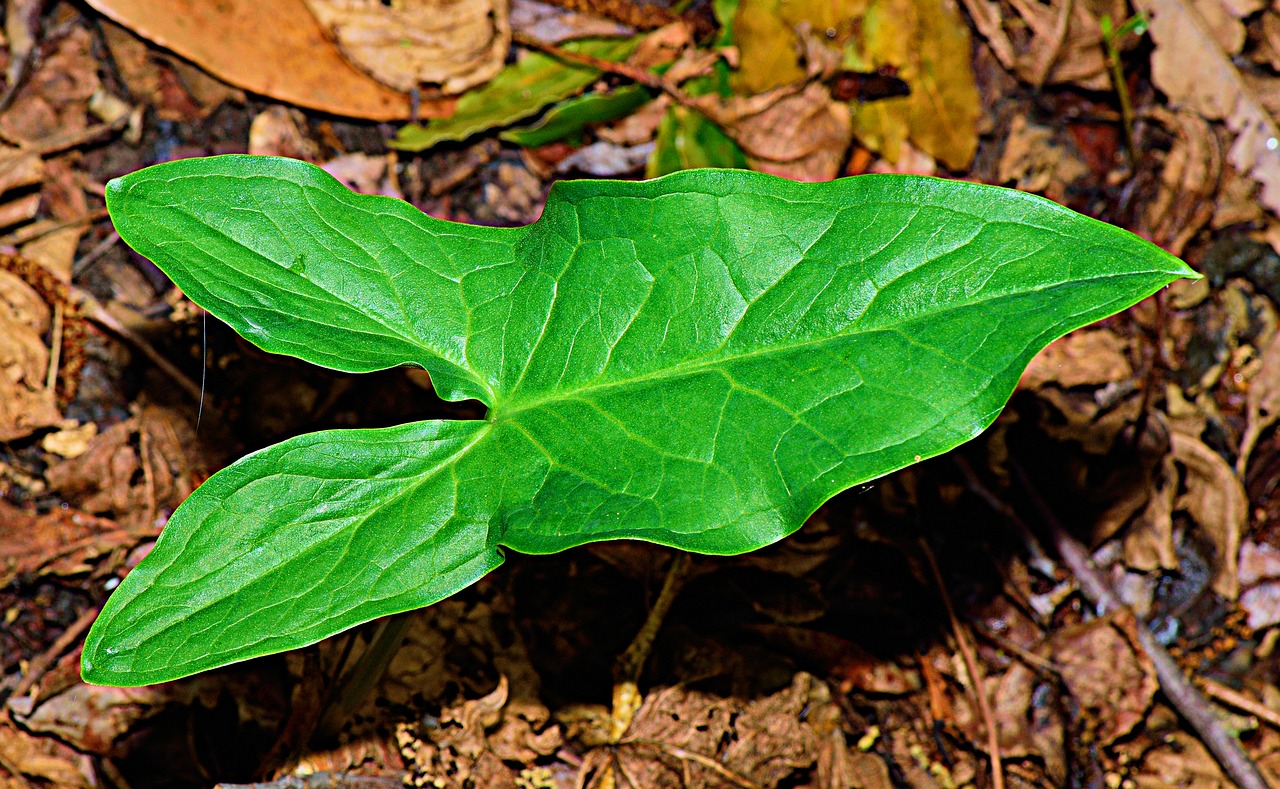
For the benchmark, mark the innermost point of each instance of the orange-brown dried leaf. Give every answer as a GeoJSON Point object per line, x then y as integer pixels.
{"type": "Point", "coordinates": [290, 59]}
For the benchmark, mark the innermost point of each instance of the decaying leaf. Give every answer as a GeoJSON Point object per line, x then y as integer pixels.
{"type": "Point", "coordinates": [1083, 358]}
{"type": "Point", "coordinates": [1106, 672]}
{"type": "Point", "coordinates": [1216, 500]}
{"type": "Point", "coordinates": [1263, 404]}
{"type": "Point", "coordinates": [1034, 160]}
{"type": "Point", "coordinates": [803, 136]}
{"type": "Point", "coordinates": [44, 758]}
{"type": "Point", "coordinates": [1189, 178]}
{"type": "Point", "coordinates": [927, 42]}
{"type": "Point", "coordinates": [290, 59]}
{"type": "Point", "coordinates": [1191, 66]}
{"type": "Point", "coordinates": [26, 404]}
{"type": "Point", "coordinates": [1049, 43]}
{"type": "Point", "coordinates": [456, 44]}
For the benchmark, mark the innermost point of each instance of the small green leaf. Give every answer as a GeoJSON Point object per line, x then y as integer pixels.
{"type": "Point", "coordinates": [686, 140]}
{"type": "Point", "coordinates": [569, 117]}
{"type": "Point", "coordinates": [698, 361]}
{"type": "Point", "coordinates": [518, 91]}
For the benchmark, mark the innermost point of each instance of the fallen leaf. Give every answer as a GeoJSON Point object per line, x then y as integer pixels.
{"type": "Point", "coordinates": [1216, 500]}
{"type": "Point", "coordinates": [940, 114]}
{"type": "Point", "coordinates": [289, 59]}
{"type": "Point", "coordinates": [606, 160]}
{"type": "Point", "coordinates": [1082, 358]}
{"type": "Point", "coordinates": [803, 136]}
{"type": "Point", "coordinates": [1108, 675]}
{"type": "Point", "coordinates": [279, 131]}
{"type": "Point", "coordinates": [1262, 404]}
{"type": "Point", "coordinates": [173, 89]}
{"type": "Point", "coordinates": [362, 173]}
{"type": "Point", "coordinates": [1190, 65]}
{"type": "Point", "coordinates": [456, 44]}
{"type": "Point", "coordinates": [553, 24]}
{"type": "Point", "coordinates": [26, 404]}
{"type": "Point", "coordinates": [45, 758]}
{"type": "Point", "coordinates": [1191, 173]}
{"type": "Point", "coordinates": [1034, 161]}
{"type": "Point", "coordinates": [1049, 43]}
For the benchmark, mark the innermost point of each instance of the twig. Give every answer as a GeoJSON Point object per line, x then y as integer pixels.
{"type": "Point", "coordinates": [1240, 701]}
{"type": "Point", "coordinates": [705, 761]}
{"type": "Point", "coordinates": [55, 345]}
{"type": "Point", "coordinates": [633, 73]}
{"type": "Point", "coordinates": [631, 663]}
{"type": "Point", "coordinates": [41, 229]}
{"type": "Point", "coordinates": [627, 670]}
{"type": "Point", "coordinates": [92, 255]}
{"type": "Point", "coordinates": [94, 311]}
{"type": "Point", "coordinates": [324, 780]}
{"type": "Point", "coordinates": [971, 665]}
{"type": "Point", "coordinates": [1184, 696]}
{"type": "Point", "coordinates": [41, 664]}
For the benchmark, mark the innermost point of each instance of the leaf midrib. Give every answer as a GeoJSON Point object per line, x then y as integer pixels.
{"type": "Point", "coordinates": [709, 361]}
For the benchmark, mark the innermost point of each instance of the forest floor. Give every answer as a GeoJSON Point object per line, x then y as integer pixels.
{"type": "Point", "coordinates": [914, 627]}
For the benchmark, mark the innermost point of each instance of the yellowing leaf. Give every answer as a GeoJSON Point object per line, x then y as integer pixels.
{"type": "Point", "coordinates": [928, 42]}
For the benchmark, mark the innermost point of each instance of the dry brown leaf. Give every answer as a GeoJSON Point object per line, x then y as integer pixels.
{"type": "Point", "coordinates": [54, 99]}
{"type": "Point", "coordinates": [764, 741]}
{"type": "Point", "coordinates": [1190, 65]}
{"type": "Point", "coordinates": [289, 60]}
{"type": "Point", "coordinates": [803, 136]}
{"type": "Point", "coordinates": [1148, 545]}
{"type": "Point", "coordinates": [1107, 673]}
{"type": "Point", "coordinates": [278, 131]}
{"type": "Point", "coordinates": [1034, 162]}
{"type": "Point", "coordinates": [175, 90]}
{"type": "Point", "coordinates": [553, 24]}
{"type": "Point", "coordinates": [1190, 176]}
{"type": "Point", "coordinates": [26, 404]}
{"type": "Point", "coordinates": [456, 44]}
{"type": "Point", "coordinates": [1216, 500]}
{"type": "Point", "coordinates": [45, 758]}
{"type": "Point", "coordinates": [1060, 41]}
{"type": "Point", "coordinates": [1263, 404]}
{"type": "Point", "coordinates": [1082, 358]}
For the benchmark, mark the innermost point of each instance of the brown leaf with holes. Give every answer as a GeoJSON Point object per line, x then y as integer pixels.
{"type": "Point", "coordinates": [290, 59]}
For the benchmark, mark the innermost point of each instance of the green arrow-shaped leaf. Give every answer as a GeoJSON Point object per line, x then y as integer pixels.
{"type": "Point", "coordinates": [698, 361]}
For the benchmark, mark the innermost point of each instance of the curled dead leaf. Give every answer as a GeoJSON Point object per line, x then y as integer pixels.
{"type": "Point", "coordinates": [1216, 500]}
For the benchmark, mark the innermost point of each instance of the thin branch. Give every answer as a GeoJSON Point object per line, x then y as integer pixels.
{"type": "Point", "coordinates": [1189, 701]}
{"type": "Point", "coordinates": [975, 673]}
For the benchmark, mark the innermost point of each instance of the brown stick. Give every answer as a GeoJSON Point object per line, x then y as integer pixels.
{"type": "Point", "coordinates": [1189, 701]}
{"type": "Point", "coordinates": [975, 673]}
{"type": "Point", "coordinates": [46, 659]}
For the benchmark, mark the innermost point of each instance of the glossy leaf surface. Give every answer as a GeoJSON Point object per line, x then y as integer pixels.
{"type": "Point", "coordinates": [698, 361]}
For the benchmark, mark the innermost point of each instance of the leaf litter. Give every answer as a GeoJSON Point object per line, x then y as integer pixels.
{"type": "Point", "coordinates": [854, 682]}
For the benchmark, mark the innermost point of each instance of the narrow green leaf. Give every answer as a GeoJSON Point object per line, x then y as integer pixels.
{"type": "Point", "coordinates": [518, 91]}
{"type": "Point", "coordinates": [569, 117]}
{"type": "Point", "coordinates": [698, 361]}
